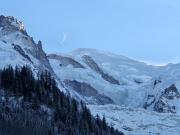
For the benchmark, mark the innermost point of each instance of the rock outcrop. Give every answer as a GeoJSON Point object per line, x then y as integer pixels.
{"type": "Point", "coordinates": [94, 66]}
{"type": "Point", "coordinates": [87, 90]}
{"type": "Point", "coordinates": [163, 104]}
{"type": "Point", "coordinates": [65, 61]}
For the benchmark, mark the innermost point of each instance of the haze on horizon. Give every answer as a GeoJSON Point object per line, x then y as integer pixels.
{"type": "Point", "coordinates": [146, 30]}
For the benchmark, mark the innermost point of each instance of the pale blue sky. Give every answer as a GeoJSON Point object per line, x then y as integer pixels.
{"type": "Point", "coordinates": [146, 30]}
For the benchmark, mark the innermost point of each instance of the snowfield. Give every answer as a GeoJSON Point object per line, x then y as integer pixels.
{"type": "Point", "coordinates": [138, 121]}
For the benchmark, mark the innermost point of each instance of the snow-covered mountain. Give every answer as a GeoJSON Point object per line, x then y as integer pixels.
{"type": "Point", "coordinates": [142, 99]}
{"type": "Point", "coordinates": [120, 79]}
{"type": "Point", "coordinates": [103, 80]}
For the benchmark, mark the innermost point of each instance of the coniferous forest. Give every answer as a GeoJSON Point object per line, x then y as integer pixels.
{"type": "Point", "coordinates": [36, 106]}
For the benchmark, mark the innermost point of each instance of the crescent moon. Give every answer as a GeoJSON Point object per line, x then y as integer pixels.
{"type": "Point", "coordinates": [63, 39]}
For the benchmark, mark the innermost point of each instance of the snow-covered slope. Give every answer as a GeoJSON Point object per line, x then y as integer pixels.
{"type": "Point", "coordinates": [102, 71]}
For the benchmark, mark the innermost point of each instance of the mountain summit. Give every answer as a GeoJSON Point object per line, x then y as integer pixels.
{"type": "Point", "coordinates": [10, 24]}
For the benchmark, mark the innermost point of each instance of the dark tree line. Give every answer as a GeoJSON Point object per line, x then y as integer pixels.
{"type": "Point", "coordinates": [69, 117]}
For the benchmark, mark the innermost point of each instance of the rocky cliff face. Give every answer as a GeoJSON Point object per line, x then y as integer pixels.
{"type": "Point", "coordinates": [16, 42]}
{"type": "Point", "coordinates": [10, 24]}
